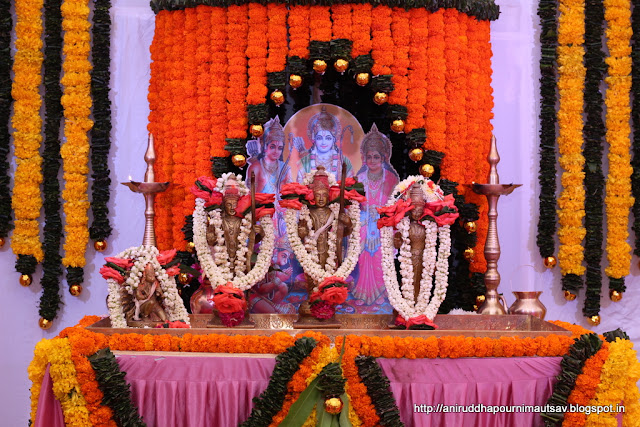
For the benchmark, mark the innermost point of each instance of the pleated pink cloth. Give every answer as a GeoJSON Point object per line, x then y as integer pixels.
{"type": "Point", "coordinates": [218, 391]}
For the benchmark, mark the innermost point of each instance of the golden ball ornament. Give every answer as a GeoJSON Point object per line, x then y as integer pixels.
{"type": "Point", "coordinates": [427, 170]}
{"type": "Point", "coordinates": [75, 289]}
{"type": "Point", "coordinates": [100, 245]}
{"type": "Point", "coordinates": [416, 154]}
{"type": "Point", "coordinates": [397, 126]}
{"type": "Point", "coordinates": [295, 81]}
{"type": "Point", "coordinates": [480, 299]}
{"type": "Point", "coordinates": [191, 247]}
{"type": "Point", "coordinates": [475, 307]}
{"type": "Point", "coordinates": [184, 278]}
{"type": "Point", "coordinates": [594, 320]}
{"type": "Point", "coordinates": [256, 130]}
{"type": "Point", "coordinates": [615, 296]}
{"type": "Point", "coordinates": [380, 98]}
{"type": "Point", "coordinates": [44, 323]}
{"type": "Point", "coordinates": [25, 280]}
{"type": "Point", "coordinates": [2, 241]}
{"type": "Point", "coordinates": [470, 226]}
{"type": "Point", "coordinates": [550, 262]}
{"type": "Point", "coordinates": [319, 66]}
{"type": "Point", "coordinates": [341, 65]}
{"type": "Point", "coordinates": [362, 79]}
{"type": "Point", "coordinates": [238, 160]}
{"type": "Point", "coordinates": [277, 97]}
{"type": "Point", "coordinates": [333, 405]}
{"type": "Point", "coordinates": [569, 296]}
{"type": "Point", "coordinates": [469, 254]}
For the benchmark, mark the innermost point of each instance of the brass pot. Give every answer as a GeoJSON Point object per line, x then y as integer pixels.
{"type": "Point", "coordinates": [528, 303]}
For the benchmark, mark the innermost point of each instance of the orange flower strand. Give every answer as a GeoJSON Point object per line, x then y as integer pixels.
{"type": "Point", "coordinates": [436, 103]}
{"type": "Point", "coordinates": [342, 21]}
{"type": "Point", "coordinates": [418, 69]}
{"type": "Point", "coordinates": [361, 29]}
{"type": "Point", "coordinates": [382, 46]}
{"type": "Point", "coordinates": [320, 23]}
{"type": "Point", "coordinates": [298, 20]}
{"type": "Point", "coordinates": [219, 80]}
{"type": "Point", "coordinates": [257, 54]}
{"type": "Point", "coordinates": [277, 37]}
{"type": "Point", "coordinates": [400, 32]}
{"type": "Point", "coordinates": [237, 32]}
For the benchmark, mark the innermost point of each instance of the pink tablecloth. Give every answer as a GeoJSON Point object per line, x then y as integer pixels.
{"type": "Point", "coordinates": [204, 391]}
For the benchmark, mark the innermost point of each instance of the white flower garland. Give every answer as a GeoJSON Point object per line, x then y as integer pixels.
{"type": "Point", "coordinates": [220, 253]}
{"type": "Point", "coordinates": [222, 181]}
{"type": "Point", "coordinates": [309, 259]}
{"type": "Point", "coordinates": [143, 255]}
{"type": "Point", "coordinates": [219, 271]}
{"type": "Point", "coordinates": [308, 177]}
{"type": "Point", "coordinates": [431, 194]}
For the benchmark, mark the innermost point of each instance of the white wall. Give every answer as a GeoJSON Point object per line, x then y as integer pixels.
{"type": "Point", "coordinates": [516, 76]}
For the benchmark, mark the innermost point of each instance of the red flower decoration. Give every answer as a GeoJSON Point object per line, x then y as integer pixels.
{"type": "Point", "coordinates": [120, 262]}
{"type": "Point", "coordinates": [335, 295]}
{"type": "Point", "coordinates": [262, 211]}
{"type": "Point", "coordinates": [208, 182]}
{"type": "Point", "coordinates": [228, 299]}
{"type": "Point", "coordinates": [110, 273]}
{"type": "Point", "coordinates": [165, 257]}
{"type": "Point", "coordinates": [322, 310]}
{"type": "Point", "coordinates": [332, 280]}
{"type": "Point", "coordinates": [334, 193]}
{"type": "Point", "coordinates": [391, 215]}
{"type": "Point", "coordinates": [349, 182]}
{"type": "Point", "coordinates": [417, 320]}
{"type": "Point", "coordinates": [212, 199]}
{"type": "Point", "coordinates": [244, 203]}
{"type": "Point", "coordinates": [435, 210]}
{"type": "Point", "coordinates": [297, 189]}
{"type": "Point", "coordinates": [199, 193]}
{"type": "Point", "coordinates": [290, 204]}
{"type": "Point", "coordinates": [173, 270]}
{"type": "Point", "coordinates": [232, 319]}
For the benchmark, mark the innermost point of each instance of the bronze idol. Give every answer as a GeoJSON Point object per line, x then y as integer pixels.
{"type": "Point", "coordinates": [144, 307]}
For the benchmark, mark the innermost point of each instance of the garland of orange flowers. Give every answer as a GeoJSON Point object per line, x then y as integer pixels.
{"type": "Point", "coordinates": [237, 43]}
{"type": "Point", "coordinates": [204, 58]}
{"type": "Point", "coordinates": [220, 77]}
{"type": "Point", "coordinates": [257, 54]}
{"type": "Point", "coordinates": [382, 46]}
{"type": "Point", "coordinates": [277, 37]}
{"type": "Point", "coordinates": [419, 69]}
{"type": "Point", "coordinates": [27, 137]}
{"type": "Point", "coordinates": [618, 199]}
{"type": "Point", "coordinates": [361, 30]}
{"type": "Point", "coordinates": [76, 103]}
{"type": "Point", "coordinates": [571, 75]}
{"type": "Point", "coordinates": [298, 22]}
{"type": "Point", "coordinates": [320, 23]}
{"type": "Point", "coordinates": [474, 106]}
{"type": "Point", "coordinates": [400, 33]}
{"type": "Point", "coordinates": [436, 102]}
{"type": "Point", "coordinates": [341, 17]}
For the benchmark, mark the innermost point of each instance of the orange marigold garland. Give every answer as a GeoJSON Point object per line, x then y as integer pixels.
{"type": "Point", "coordinates": [382, 46]}
{"type": "Point", "coordinates": [277, 37]}
{"type": "Point", "coordinates": [220, 77]}
{"type": "Point", "coordinates": [298, 22]}
{"type": "Point", "coordinates": [257, 54]}
{"type": "Point", "coordinates": [400, 32]}
{"type": "Point", "coordinates": [418, 69]}
{"type": "Point", "coordinates": [320, 23]}
{"type": "Point", "coordinates": [436, 102]}
{"type": "Point", "coordinates": [474, 105]}
{"type": "Point", "coordinates": [204, 58]}
{"type": "Point", "coordinates": [341, 16]}
{"type": "Point", "coordinates": [361, 30]}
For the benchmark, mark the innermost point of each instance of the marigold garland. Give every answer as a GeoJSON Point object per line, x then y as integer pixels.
{"type": "Point", "coordinates": [361, 30]}
{"type": "Point", "coordinates": [277, 37]}
{"type": "Point", "coordinates": [220, 76]}
{"type": "Point", "coordinates": [571, 75]}
{"type": "Point", "coordinates": [76, 102]}
{"type": "Point", "coordinates": [204, 58]}
{"type": "Point", "coordinates": [419, 70]}
{"type": "Point", "coordinates": [298, 22]}
{"type": "Point", "coordinates": [237, 36]}
{"type": "Point", "coordinates": [26, 200]}
{"type": "Point", "coordinates": [400, 33]}
{"type": "Point", "coordinates": [6, 62]}
{"type": "Point", "coordinates": [618, 199]}
{"type": "Point", "coordinates": [474, 119]}
{"type": "Point", "coordinates": [342, 21]}
{"type": "Point", "coordinates": [635, 117]}
{"type": "Point", "coordinates": [382, 46]}
{"type": "Point", "coordinates": [320, 23]}
{"type": "Point", "coordinates": [257, 54]}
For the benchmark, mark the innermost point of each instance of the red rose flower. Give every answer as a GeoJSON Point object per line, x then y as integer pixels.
{"type": "Point", "coordinates": [265, 198]}
{"type": "Point", "coordinates": [200, 194]}
{"type": "Point", "coordinates": [332, 280]}
{"type": "Point", "coordinates": [208, 182]}
{"type": "Point", "coordinates": [165, 257]}
{"type": "Point", "coordinates": [391, 215]}
{"type": "Point", "coordinates": [322, 310]}
{"type": "Point", "coordinates": [262, 211]}
{"type": "Point", "coordinates": [435, 210]}
{"type": "Point", "coordinates": [335, 295]}
{"type": "Point", "coordinates": [232, 319]}
{"type": "Point", "coordinates": [228, 299]}
{"type": "Point", "coordinates": [173, 270]}
{"type": "Point", "coordinates": [290, 204]}
{"type": "Point", "coordinates": [334, 193]}
{"type": "Point", "coordinates": [214, 198]}
{"type": "Point", "coordinates": [244, 203]}
{"type": "Point", "coordinates": [120, 262]}
{"type": "Point", "coordinates": [297, 189]}
{"type": "Point", "coordinates": [420, 320]}
{"type": "Point", "coordinates": [349, 182]}
{"type": "Point", "coordinates": [110, 273]}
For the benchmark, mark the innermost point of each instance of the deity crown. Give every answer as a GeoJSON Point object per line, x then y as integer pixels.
{"type": "Point", "coordinates": [273, 131]}
{"type": "Point", "coordinates": [374, 140]}
{"type": "Point", "coordinates": [323, 121]}
{"type": "Point", "coordinates": [416, 194]}
{"type": "Point", "coordinates": [231, 190]}
{"type": "Point", "coordinates": [320, 179]}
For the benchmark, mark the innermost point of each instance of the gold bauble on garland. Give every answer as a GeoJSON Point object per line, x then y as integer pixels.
{"type": "Point", "coordinates": [295, 81]}
{"type": "Point", "coordinates": [569, 296]}
{"type": "Point", "coordinates": [333, 405]}
{"type": "Point", "coordinates": [469, 254]}
{"type": "Point", "coordinates": [191, 247]}
{"type": "Point", "coordinates": [470, 226]}
{"type": "Point", "coordinates": [550, 262]}
{"type": "Point", "coordinates": [319, 66]}
{"type": "Point", "coordinates": [416, 154]}
{"type": "Point", "coordinates": [594, 320]}
{"type": "Point", "coordinates": [362, 79]}
{"type": "Point", "coordinates": [75, 289]}
{"type": "Point", "coordinates": [397, 126]}
{"type": "Point", "coordinates": [277, 97]}
{"type": "Point", "coordinates": [100, 245]}
{"type": "Point", "coordinates": [25, 280]}
{"type": "Point", "coordinates": [480, 299]}
{"type": "Point", "coordinates": [341, 65]}
{"type": "Point", "coordinates": [427, 170]}
{"type": "Point", "coordinates": [238, 160]}
{"type": "Point", "coordinates": [44, 323]}
{"type": "Point", "coordinates": [380, 98]}
{"type": "Point", "coordinates": [475, 307]}
{"type": "Point", "coordinates": [184, 278]}
{"type": "Point", "coordinates": [256, 130]}
{"type": "Point", "coordinates": [615, 296]}
{"type": "Point", "coordinates": [1, 242]}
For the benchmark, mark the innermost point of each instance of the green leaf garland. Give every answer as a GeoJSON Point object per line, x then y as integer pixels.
{"type": "Point", "coordinates": [378, 389]}
{"type": "Point", "coordinates": [6, 63]}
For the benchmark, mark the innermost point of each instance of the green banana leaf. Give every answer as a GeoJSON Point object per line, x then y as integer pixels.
{"type": "Point", "coordinates": [301, 408]}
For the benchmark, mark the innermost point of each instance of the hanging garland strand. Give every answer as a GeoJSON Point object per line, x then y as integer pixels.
{"type": "Point", "coordinates": [52, 263]}
{"type": "Point", "coordinates": [547, 11]}
{"type": "Point", "coordinates": [594, 132]}
{"type": "Point", "coordinates": [101, 132]}
{"type": "Point", "coordinates": [571, 86]}
{"type": "Point", "coordinates": [618, 190]}
{"type": "Point", "coordinates": [6, 24]}
{"type": "Point", "coordinates": [635, 117]}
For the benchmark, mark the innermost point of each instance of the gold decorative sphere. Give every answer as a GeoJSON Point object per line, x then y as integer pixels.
{"type": "Point", "coordinates": [470, 226]}
{"type": "Point", "coordinates": [362, 79]}
{"type": "Point", "coordinates": [416, 154]}
{"type": "Point", "coordinates": [333, 405]}
{"type": "Point", "coordinates": [480, 299]}
{"type": "Point", "coordinates": [475, 307]}
{"type": "Point", "coordinates": [1, 242]}
{"type": "Point", "coordinates": [44, 323]}
{"type": "Point", "coordinates": [191, 247]}
{"type": "Point", "coordinates": [238, 160]}
{"type": "Point", "coordinates": [594, 320]}
{"type": "Point", "coordinates": [295, 81]}
{"type": "Point", "coordinates": [25, 280]}
{"type": "Point", "coordinates": [341, 65]}
{"type": "Point", "coordinates": [256, 130]}
{"type": "Point", "coordinates": [75, 289]}
{"type": "Point", "coordinates": [469, 254]}
{"type": "Point", "coordinates": [100, 245]}
{"type": "Point", "coordinates": [319, 66]}
{"type": "Point", "coordinates": [569, 296]}
{"type": "Point", "coordinates": [380, 98]}
{"type": "Point", "coordinates": [397, 126]}
{"type": "Point", "coordinates": [184, 278]}
{"type": "Point", "coordinates": [550, 262]}
{"type": "Point", "coordinates": [277, 97]}
{"type": "Point", "coordinates": [615, 296]}
{"type": "Point", "coordinates": [427, 170]}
